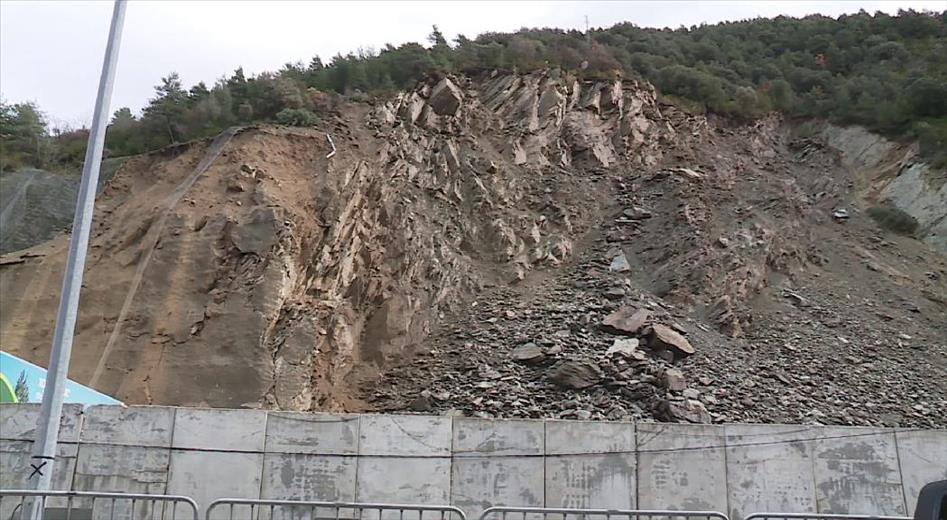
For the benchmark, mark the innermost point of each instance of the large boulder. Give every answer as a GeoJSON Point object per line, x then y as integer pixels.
{"type": "Point", "coordinates": [626, 348]}
{"type": "Point", "coordinates": [627, 320]}
{"type": "Point", "coordinates": [575, 374]}
{"type": "Point", "coordinates": [666, 338]}
{"type": "Point", "coordinates": [674, 380]}
{"type": "Point", "coordinates": [445, 98]}
{"type": "Point", "coordinates": [411, 107]}
{"type": "Point", "coordinates": [257, 233]}
{"type": "Point", "coordinates": [528, 353]}
{"type": "Point", "coordinates": [619, 263]}
{"type": "Point", "coordinates": [688, 410]}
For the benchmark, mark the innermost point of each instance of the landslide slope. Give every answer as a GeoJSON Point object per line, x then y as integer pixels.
{"type": "Point", "coordinates": [256, 270]}
{"type": "Point", "coordinates": [465, 219]}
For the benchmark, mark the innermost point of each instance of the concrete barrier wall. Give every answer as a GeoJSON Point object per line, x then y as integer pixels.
{"type": "Point", "coordinates": [475, 463]}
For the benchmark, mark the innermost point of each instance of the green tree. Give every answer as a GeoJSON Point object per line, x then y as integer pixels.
{"type": "Point", "coordinates": [296, 117]}
{"type": "Point", "coordinates": [440, 50]}
{"type": "Point", "coordinates": [436, 38]}
{"type": "Point", "coordinates": [781, 94]}
{"type": "Point", "coordinates": [197, 93]}
{"type": "Point", "coordinates": [123, 119]}
{"type": "Point", "coordinates": [885, 72]}
{"type": "Point", "coordinates": [167, 108]}
{"type": "Point", "coordinates": [927, 96]}
{"type": "Point", "coordinates": [24, 136]}
{"type": "Point", "coordinates": [124, 135]}
{"type": "Point", "coordinates": [21, 390]}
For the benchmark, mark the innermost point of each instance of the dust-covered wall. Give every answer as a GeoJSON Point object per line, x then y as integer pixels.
{"type": "Point", "coordinates": [472, 463]}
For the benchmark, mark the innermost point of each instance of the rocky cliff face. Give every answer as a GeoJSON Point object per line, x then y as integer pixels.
{"type": "Point", "coordinates": [460, 221]}
{"type": "Point", "coordinates": [254, 270]}
{"type": "Point", "coordinates": [890, 172]}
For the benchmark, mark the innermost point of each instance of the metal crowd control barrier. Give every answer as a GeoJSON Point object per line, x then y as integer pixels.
{"type": "Point", "coordinates": [818, 516]}
{"type": "Point", "coordinates": [546, 513]}
{"type": "Point", "coordinates": [83, 505]}
{"type": "Point", "coordinates": [249, 509]}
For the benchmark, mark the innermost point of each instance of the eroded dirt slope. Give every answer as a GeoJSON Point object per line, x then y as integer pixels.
{"type": "Point", "coordinates": [462, 252]}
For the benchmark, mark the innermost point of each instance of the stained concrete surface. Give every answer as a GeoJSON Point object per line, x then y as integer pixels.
{"type": "Point", "coordinates": [474, 463]}
{"type": "Point", "coordinates": [136, 426]}
{"type": "Point", "coordinates": [681, 468]}
{"type": "Point", "coordinates": [481, 482]}
{"type": "Point", "coordinates": [323, 434]}
{"type": "Point", "coordinates": [410, 480]}
{"type": "Point", "coordinates": [497, 463]}
{"type": "Point", "coordinates": [769, 468]}
{"type": "Point", "coordinates": [418, 435]}
{"type": "Point", "coordinates": [129, 468]}
{"type": "Point", "coordinates": [208, 475]}
{"type": "Point", "coordinates": [856, 469]}
{"type": "Point", "coordinates": [17, 431]}
{"type": "Point", "coordinates": [301, 476]}
{"type": "Point", "coordinates": [922, 455]}
{"type": "Point", "coordinates": [15, 464]}
{"type": "Point", "coordinates": [482, 437]}
{"type": "Point", "coordinates": [590, 464]}
{"type": "Point", "coordinates": [231, 430]}
{"type": "Point", "coordinates": [403, 459]}
{"type": "Point", "coordinates": [15, 469]}
{"type": "Point", "coordinates": [18, 422]}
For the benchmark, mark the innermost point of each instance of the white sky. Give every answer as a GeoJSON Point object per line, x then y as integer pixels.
{"type": "Point", "coordinates": [51, 51]}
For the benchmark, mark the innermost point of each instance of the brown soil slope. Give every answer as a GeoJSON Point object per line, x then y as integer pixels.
{"type": "Point", "coordinates": [459, 222]}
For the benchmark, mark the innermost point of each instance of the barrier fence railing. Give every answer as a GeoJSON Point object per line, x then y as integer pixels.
{"type": "Point", "coordinates": [15, 504]}
{"type": "Point", "coordinates": [87, 505]}
{"type": "Point", "coordinates": [817, 516]}
{"type": "Point", "coordinates": [546, 513]}
{"type": "Point", "coordinates": [248, 509]}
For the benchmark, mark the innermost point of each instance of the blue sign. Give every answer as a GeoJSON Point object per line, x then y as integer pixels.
{"type": "Point", "coordinates": [29, 381]}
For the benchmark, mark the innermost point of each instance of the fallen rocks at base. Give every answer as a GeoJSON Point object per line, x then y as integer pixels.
{"type": "Point", "coordinates": [619, 264]}
{"type": "Point", "coordinates": [674, 380]}
{"type": "Point", "coordinates": [687, 410]}
{"type": "Point", "coordinates": [666, 338]}
{"type": "Point", "coordinates": [720, 226]}
{"type": "Point", "coordinates": [637, 213]}
{"type": "Point", "coordinates": [689, 174]}
{"type": "Point", "coordinates": [575, 374]}
{"type": "Point", "coordinates": [627, 320]}
{"type": "Point", "coordinates": [626, 348]}
{"type": "Point", "coordinates": [528, 353]}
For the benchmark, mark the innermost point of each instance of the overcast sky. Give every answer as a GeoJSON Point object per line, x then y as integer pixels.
{"type": "Point", "coordinates": [51, 52]}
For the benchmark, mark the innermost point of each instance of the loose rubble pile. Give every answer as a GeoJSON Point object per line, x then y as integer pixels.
{"type": "Point", "coordinates": [711, 291]}
{"type": "Point", "coordinates": [564, 353]}
{"type": "Point", "coordinates": [572, 350]}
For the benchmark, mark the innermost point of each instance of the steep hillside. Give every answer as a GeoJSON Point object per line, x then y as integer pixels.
{"type": "Point", "coordinates": [37, 205]}
{"type": "Point", "coordinates": [466, 222]}
{"type": "Point", "coordinates": [887, 172]}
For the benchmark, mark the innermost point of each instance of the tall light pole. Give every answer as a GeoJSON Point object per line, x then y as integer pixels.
{"type": "Point", "coordinates": [47, 427]}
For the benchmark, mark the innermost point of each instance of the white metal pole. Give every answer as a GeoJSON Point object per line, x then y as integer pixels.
{"type": "Point", "coordinates": [47, 427]}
